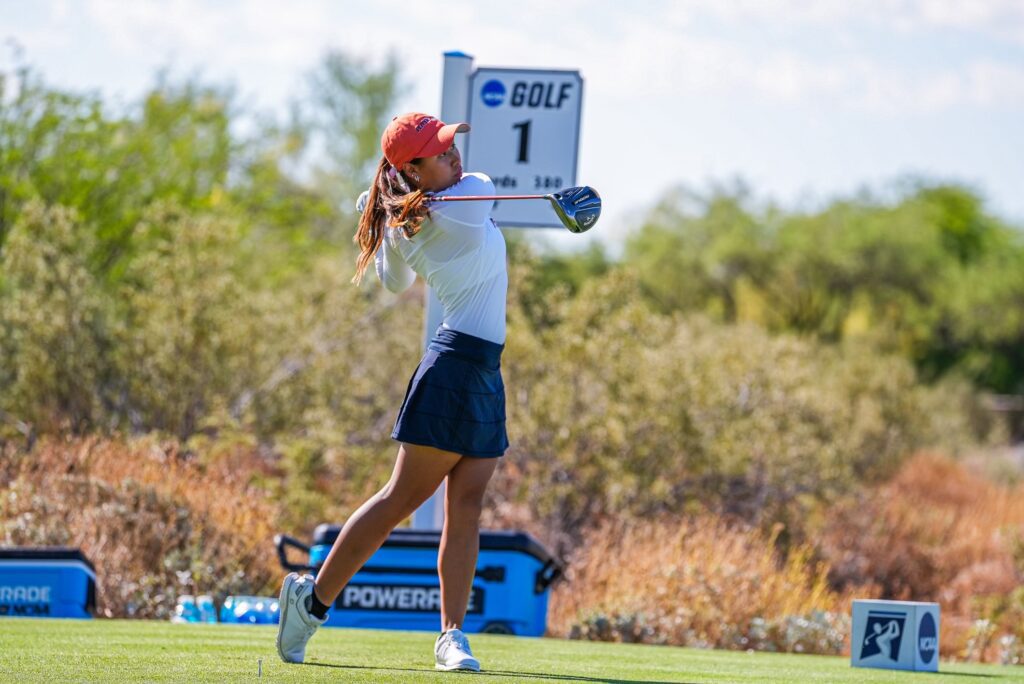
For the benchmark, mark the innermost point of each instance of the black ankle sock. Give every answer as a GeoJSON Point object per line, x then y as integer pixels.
{"type": "Point", "coordinates": [317, 607]}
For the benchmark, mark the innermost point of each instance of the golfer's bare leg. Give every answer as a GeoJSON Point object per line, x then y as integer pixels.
{"type": "Point", "coordinates": [460, 540]}
{"type": "Point", "coordinates": [418, 473]}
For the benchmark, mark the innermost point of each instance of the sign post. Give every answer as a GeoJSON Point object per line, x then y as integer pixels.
{"type": "Point", "coordinates": [525, 136]}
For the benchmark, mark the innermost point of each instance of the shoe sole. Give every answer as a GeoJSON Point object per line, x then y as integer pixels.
{"type": "Point", "coordinates": [455, 668]}
{"type": "Point", "coordinates": [282, 601]}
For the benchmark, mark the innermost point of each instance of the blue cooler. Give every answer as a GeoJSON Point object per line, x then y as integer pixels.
{"type": "Point", "coordinates": [46, 582]}
{"type": "Point", "coordinates": [398, 587]}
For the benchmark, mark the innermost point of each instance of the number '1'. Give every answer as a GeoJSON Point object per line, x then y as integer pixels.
{"type": "Point", "coordinates": [524, 140]}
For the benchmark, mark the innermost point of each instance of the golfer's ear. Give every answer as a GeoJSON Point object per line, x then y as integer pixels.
{"type": "Point", "coordinates": [410, 171]}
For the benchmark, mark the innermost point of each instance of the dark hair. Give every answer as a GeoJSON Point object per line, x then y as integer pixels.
{"type": "Point", "coordinates": [392, 204]}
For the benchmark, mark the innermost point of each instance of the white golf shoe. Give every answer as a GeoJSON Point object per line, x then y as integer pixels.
{"type": "Point", "coordinates": [297, 623]}
{"type": "Point", "coordinates": [451, 652]}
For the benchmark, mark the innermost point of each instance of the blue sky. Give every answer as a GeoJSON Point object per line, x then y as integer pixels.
{"type": "Point", "coordinates": [803, 100]}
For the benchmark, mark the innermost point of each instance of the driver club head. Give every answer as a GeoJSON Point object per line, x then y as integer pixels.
{"type": "Point", "coordinates": [577, 208]}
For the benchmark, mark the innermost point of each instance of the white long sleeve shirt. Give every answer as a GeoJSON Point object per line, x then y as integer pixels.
{"type": "Point", "coordinates": [460, 253]}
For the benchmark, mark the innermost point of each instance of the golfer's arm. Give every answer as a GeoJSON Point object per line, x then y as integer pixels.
{"type": "Point", "coordinates": [394, 273]}
{"type": "Point", "coordinates": [467, 213]}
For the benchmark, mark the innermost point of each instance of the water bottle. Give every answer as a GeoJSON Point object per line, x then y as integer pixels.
{"type": "Point", "coordinates": [274, 614]}
{"type": "Point", "coordinates": [266, 610]}
{"type": "Point", "coordinates": [227, 609]}
{"type": "Point", "coordinates": [250, 610]}
{"type": "Point", "coordinates": [244, 612]}
{"type": "Point", "coordinates": [207, 608]}
{"type": "Point", "coordinates": [186, 609]}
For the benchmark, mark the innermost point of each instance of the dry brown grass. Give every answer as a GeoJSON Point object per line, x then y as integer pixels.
{"type": "Point", "coordinates": [153, 521]}
{"type": "Point", "coordinates": [935, 532]}
{"type": "Point", "coordinates": [697, 581]}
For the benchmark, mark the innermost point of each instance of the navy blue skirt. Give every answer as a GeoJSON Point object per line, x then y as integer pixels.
{"type": "Point", "coordinates": [456, 398]}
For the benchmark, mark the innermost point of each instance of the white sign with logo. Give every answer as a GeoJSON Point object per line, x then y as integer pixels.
{"type": "Point", "coordinates": [895, 635]}
{"type": "Point", "coordinates": [526, 131]}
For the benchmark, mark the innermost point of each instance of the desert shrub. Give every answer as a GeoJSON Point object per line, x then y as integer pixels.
{"type": "Point", "coordinates": [154, 522]}
{"type": "Point", "coordinates": [193, 341]}
{"type": "Point", "coordinates": [152, 352]}
{"type": "Point", "coordinates": [336, 364]}
{"type": "Point", "coordinates": [937, 532]}
{"type": "Point", "coordinates": [612, 405]}
{"type": "Point", "coordinates": [921, 267]}
{"type": "Point", "coordinates": [54, 324]}
{"type": "Point", "coordinates": [697, 581]}
{"type": "Point", "coordinates": [186, 321]}
{"type": "Point", "coordinates": [621, 410]}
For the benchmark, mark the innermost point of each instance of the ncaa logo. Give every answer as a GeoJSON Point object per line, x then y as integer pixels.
{"type": "Point", "coordinates": [883, 634]}
{"type": "Point", "coordinates": [927, 638]}
{"type": "Point", "coordinates": [493, 93]}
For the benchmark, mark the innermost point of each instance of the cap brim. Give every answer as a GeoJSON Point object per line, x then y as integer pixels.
{"type": "Point", "coordinates": [443, 140]}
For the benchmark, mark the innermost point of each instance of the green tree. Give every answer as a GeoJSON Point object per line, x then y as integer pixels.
{"type": "Point", "coordinates": [186, 320]}
{"type": "Point", "coordinates": [300, 178]}
{"type": "Point", "coordinates": [175, 242]}
{"type": "Point", "coordinates": [67, 149]}
{"type": "Point", "coordinates": [921, 275]}
{"type": "Point", "coordinates": [693, 250]}
{"type": "Point", "coordinates": [350, 103]}
{"type": "Point", "coordinates": [54, 325]}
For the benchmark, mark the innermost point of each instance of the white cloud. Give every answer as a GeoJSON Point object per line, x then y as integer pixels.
{"type": "Point", "coordinates": [1001, 19]}
{"type": "Point", "coordinates": [669, 53]}
{"type": "Point", "coordinates": [993, 83]}
{"type": "Point", "coordinates": [868, 85]}
{"type": "Point", "coordinates": [627, 52]}
{"type": "Point", "coordinates": [668, 58]}
{"type": "Point", "coordinates": [997, 18]}
{"type": "Point", "coordinates": [232, 33]}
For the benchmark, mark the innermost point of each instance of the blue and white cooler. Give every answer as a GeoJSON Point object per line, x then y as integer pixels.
{"type": "Point", "coordinates": [398, 587]}
{"type": "Point", "coordinates": [46, 582]}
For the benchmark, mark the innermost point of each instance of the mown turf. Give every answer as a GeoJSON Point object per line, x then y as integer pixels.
{"type": "Point", "coordinates": [142, 651]}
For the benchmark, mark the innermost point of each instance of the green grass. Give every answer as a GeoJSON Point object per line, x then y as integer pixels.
{"type": "Point", "coordinates": [137, 651]}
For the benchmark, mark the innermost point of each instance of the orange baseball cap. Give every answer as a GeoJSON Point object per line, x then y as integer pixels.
{"type": "Point", "coordinates": [415, 135]}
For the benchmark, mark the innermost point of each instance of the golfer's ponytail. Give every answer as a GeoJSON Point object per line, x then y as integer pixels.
{"type": "Point", "coordinates": [390, 203]}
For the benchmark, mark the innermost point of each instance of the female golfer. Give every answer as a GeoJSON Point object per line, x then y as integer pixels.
{"type": "Point", "coordinates": [451, 424]}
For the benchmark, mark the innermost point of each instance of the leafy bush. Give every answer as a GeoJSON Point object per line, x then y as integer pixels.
{"type": "Point", "coordinates": [619, 409]}
{"type": "Point", "coordinates": [186, 321]}
{"type": "Point", "coordinates": [55, 325]}
{"type": "Point", "coordinates": [921, 270]}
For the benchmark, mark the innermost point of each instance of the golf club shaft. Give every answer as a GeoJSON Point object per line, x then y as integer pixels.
{"type": "Point", "coordinates": [467, 198]}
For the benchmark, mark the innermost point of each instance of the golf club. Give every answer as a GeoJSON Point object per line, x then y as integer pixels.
{"type": "Point", "coordinates": [577, 208]}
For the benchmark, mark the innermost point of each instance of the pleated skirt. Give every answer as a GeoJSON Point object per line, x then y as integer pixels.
{"type": "Point", "coordinates": [456, 398]}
